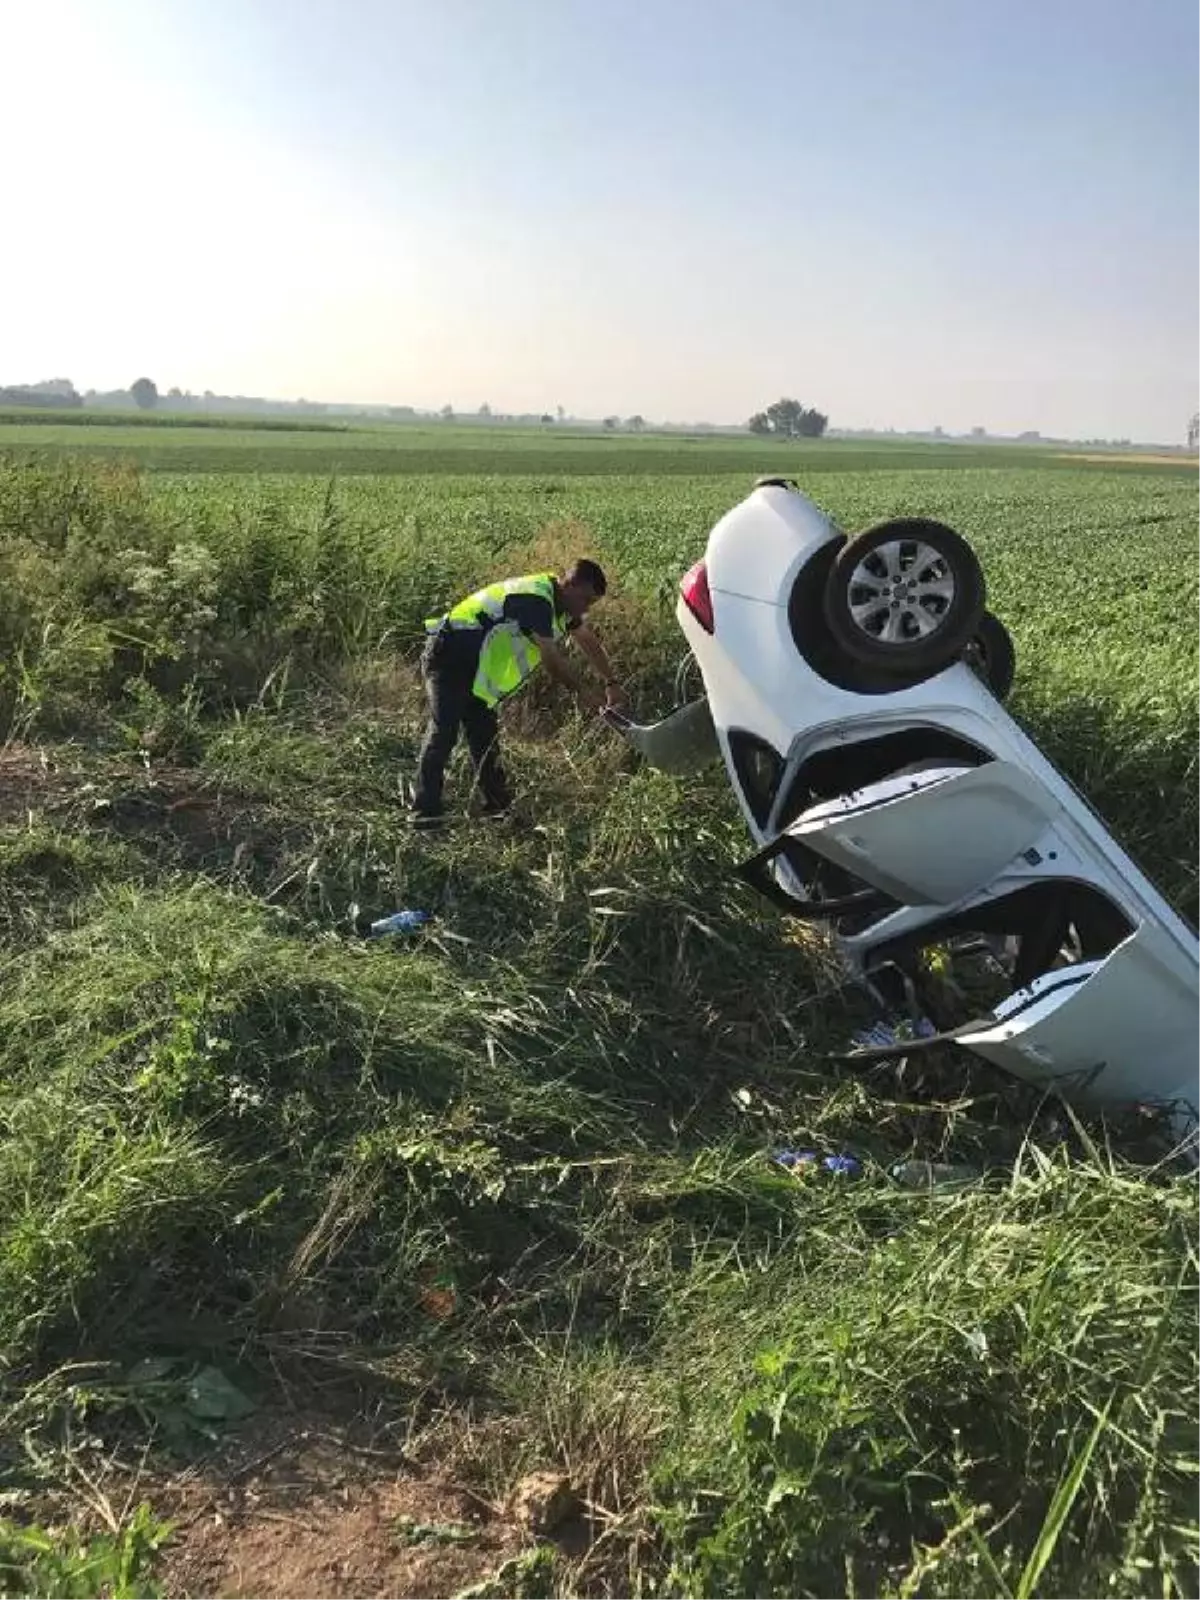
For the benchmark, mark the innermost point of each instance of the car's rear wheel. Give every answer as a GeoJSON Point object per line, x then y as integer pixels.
{"type": "Point", "coordinates": [993, 656]}
{"type": "Point", "coordinates": [905, 596]}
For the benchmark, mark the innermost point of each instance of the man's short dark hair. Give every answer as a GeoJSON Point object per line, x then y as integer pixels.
{"type": "Point", "coordinates": [588, 575]}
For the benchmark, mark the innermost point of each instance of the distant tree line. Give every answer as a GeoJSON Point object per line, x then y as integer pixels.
{"type": "Point", "coordinates": [788, 419]}
{"type": "Point", "coordinates": [631, 424]}
{"type": "Point", "coordinates": [59, 393]}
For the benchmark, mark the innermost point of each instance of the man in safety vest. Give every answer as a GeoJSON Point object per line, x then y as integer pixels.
{"type": "Point", "coordinates": [482, 651]}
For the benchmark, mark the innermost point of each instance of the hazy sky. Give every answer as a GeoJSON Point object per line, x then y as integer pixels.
{"type": "Point", "coordinates": [905, 212]}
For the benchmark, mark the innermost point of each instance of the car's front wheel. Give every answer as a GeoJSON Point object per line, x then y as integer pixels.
{"type": "Point", "coordinates": [992, 655]}
{"type": "Point", "coordinates": [905, 596]}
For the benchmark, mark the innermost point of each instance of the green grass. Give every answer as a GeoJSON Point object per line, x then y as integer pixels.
{"type": "Point", "coordinates": [234, 1137]}
{"type": "Point", "coordinates": [33, 1563]}
{"type": "Point", "coordinates": [265, 445]}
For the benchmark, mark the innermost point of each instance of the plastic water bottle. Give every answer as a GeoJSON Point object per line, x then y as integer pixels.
{"type": "Point", "coordinates": [399, 922]}
{"type": "Point", "coordinates": [934, 1174]}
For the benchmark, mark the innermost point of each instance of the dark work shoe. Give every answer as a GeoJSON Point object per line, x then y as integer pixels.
{"type": "Point", "coordinates": [496, 810]}
{"type": "Point", "coordinates": [425, 819]}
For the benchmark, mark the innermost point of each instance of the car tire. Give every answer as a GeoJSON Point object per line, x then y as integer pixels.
{"type": "Point", "coordinates": [992, 655]}
{"type": "Point", "coordinates": [905, 597]}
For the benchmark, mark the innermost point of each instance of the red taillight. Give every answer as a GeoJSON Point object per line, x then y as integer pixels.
{"type": "Point", "coordinates": [693, 586]}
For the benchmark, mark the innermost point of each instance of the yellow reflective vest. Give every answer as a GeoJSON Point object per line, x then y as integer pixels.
{"type": "Point", "coordinates": [506, 655]}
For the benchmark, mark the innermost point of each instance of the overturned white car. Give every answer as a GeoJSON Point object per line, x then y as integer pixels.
{"type": "Point", "coordinates": [854, 688]}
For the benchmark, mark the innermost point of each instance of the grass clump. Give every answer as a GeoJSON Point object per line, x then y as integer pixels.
{"type": "Point", "coordinates": [986, 1395]}
{"type": "Point", "coordinates": [35, 1564]}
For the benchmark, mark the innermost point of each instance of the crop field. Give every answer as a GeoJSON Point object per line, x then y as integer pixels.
{"type": "Point", "coordinates": [313, 1249]}
{"type": "Point", "coordinates": [177, 442]}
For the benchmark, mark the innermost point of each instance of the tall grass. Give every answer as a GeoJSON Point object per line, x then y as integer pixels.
{"type": "Point", "coordinates": [982, 1394]}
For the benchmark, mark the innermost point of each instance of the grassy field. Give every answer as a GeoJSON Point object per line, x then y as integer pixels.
{"type": "Point", "coordinates": [505, 1190]}
{"type": "Point", "coordinates": [176, 443]}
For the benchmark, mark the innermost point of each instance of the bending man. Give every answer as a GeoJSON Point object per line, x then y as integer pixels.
{"type": "Point", "coordinates": [482, 651]}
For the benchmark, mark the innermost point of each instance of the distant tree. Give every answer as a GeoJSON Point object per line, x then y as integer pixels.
{"type": "Point", "coordinates": [175, 393]}
{"type": "Point", "coordinates": [610, 423]}
{"type": "Point", "coordinates": [145, 393]}
{"type": "Point", "coordinates": [636, 423]}
{"type": "Point", "coordinates": [447, 413]}
{"type": "Point", "coordinates": [788, 419]}
{"type": "Point", "coordinates": [546, 417]}
{"type": "Point", "coordinates": [784, 417]}
{"type": "Point", "coordinates": [562, 415]}
{"type": "Point", "coordinates": [978, 433]}
{"type": "Point", "coordinates": [1193, 430]}
{"type": "Point", "coordinates": [484, 411]}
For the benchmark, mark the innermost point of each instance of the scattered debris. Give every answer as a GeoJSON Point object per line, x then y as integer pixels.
{"type": "Point", "coordinates": [440, 1297]}
{"type": "Point", "coordinates": [803, 1162]}
{"type": "Point", "coordinates": [543, 1501]}
{"type": "Point", "coordinates": [934, 1174]}
{"type": "Point", "coordinates": [399, 922]}
{"type": "Point", "coordinates": [896, 1031]}
{"type": "Point", "coordinates": [211, 1394]}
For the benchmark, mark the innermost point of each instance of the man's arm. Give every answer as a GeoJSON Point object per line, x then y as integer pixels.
{"type": "Point", "coordinates": [560, 669]}
{"type": "Point", "coordinates": [535, 618]}
{"type": "Point", "coordinates": [597, 656]}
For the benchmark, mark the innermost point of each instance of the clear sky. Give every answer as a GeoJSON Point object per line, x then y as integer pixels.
{"type": "Point", "coordinates": [904, 212]}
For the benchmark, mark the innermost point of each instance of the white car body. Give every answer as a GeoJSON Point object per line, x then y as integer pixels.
{"type": "Point", "coordinates": [953, 822]}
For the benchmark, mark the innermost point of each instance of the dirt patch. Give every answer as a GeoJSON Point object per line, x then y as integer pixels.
{"type": "Point", "coordinates": [32, 780]}
{"type": "Point", "coordinates": [399, 1538]}
{"type": "Point", "coordinates": [203, 824]}
{"type": "Point", "coordinates": [206, 827]}
{"type": "Point", "coordinates": [316, 1510]}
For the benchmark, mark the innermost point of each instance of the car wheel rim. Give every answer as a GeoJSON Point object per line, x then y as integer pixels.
{"type": "Point", "coordinates": [901, 592]}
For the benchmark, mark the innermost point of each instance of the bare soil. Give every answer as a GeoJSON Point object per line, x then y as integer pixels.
{"type": "Point", "coordinates": [308, 1507]}
{"type": "Point", "coordinates": [203, 824]}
